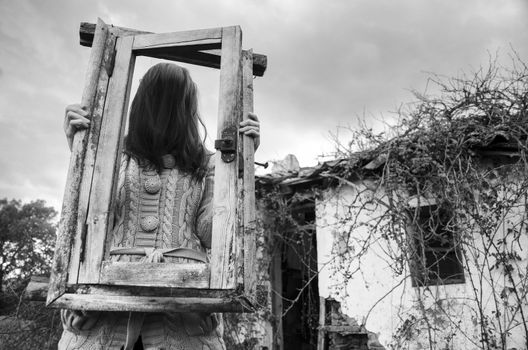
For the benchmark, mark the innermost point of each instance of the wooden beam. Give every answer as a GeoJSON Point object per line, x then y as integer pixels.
{"type": "Point", "coordinates": [321, 334]}
{"type": "Point", "coordinates": [156, 274]}
{"type": "Point", "coordinates": [200, 58]}
{"type": "Point", "coordinates": [37, 288]}
{"type": "Point", "coordinates": [210, 59]}
{"type": "Point", "coordinates": [68, 222]}
{"type": "Point", "coordinates": [223, 250]}
{"type": "Point", "coordinates": [106, 162]}
{"type": "Point", "coordinates": [145, 299]}
{"type": "Point", "coordinates": [342, 329]}
{"type": "Point", "coordinates": [149, 304]}
{"type": "Point", "coordinates": [89, 159]}
{"type": "Point", "coordinates": [248, 186]}
{"type": "Point", "coordinates": [192, 37]}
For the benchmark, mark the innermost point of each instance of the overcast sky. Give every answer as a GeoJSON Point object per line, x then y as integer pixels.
{"type": "Point", "coordinates": [328, 63]}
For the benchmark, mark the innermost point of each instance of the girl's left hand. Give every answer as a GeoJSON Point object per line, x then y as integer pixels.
{"type": "Point", "coordinates": [251, 128]}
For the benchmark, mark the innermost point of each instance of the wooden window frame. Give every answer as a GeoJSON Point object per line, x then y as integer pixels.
{"type": "Point", "coordinates": [421, 274]}
{"type": "Point", "coordinates": [81, 278]}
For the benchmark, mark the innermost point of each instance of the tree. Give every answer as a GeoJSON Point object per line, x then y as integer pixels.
{"type": "Point", "coordinates": [27, 236]}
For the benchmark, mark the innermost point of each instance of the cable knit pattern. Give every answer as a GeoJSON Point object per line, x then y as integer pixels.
{"type": "Point", "coordinates": [168, 205]}
{"type": "Point", "coordinates": [204, 213]}
{"type": "Point", "coordinates": [119, 214]}
{"type": "Point", "coordinates": [183, 234]}
{"type": "Point", "coordinates": [131, 203]}
{"type": "Point", "coordinates": [179, 210]}
{"type": "Point", "coordinates": [183, 207]}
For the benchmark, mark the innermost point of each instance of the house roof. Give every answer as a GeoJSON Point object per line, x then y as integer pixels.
{"type": "Point", "coordinates": [370, 162]}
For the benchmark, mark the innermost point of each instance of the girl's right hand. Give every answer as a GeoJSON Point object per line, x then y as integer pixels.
{"type": "Point", "coordinates": [75, 118]}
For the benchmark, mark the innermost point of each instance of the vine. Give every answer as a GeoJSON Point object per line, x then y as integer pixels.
{"type": "Point", "coordinates": [442, 202]}
{"type": "Point", "coordinates": [451, 191]}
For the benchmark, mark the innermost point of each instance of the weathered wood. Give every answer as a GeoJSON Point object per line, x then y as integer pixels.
{"type": "Point", "coordinates": [209, 38]}
{"type": "Point", "coordinates": [102, 285]}
{"type": "Point", "coordinates": [89, 159]}
{"type": "Point", "coordinates": [106, 162]}
{"type": "Point", "coordinates": [209, 59]}
{"type": "Point", "coordinates": [37, 288]}
{"type": "Point", "coordinates": [200, 58]}
{"type": "Point", "coordinates": [156, 274]}
{"type": "Point", "coordinates": [321, 335]}
{"type": "Point", "coordinates": [68, 221]}
{"type": "Point", "coordinates": [223, 252]}
{"type": "Point", "coordinates": [248, 187]}
{"type": "Point", "coordinates": [149, 304]}
{"type": "Point", "coordinates": [341, 329]}
{"type": "Point", "coordinates": [101, 289]}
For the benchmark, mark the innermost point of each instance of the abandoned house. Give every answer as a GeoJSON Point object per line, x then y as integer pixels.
{"type": "Point", "coordinates": [353, 260]}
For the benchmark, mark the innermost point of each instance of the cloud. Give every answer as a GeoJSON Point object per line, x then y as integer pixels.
{"type": "Point", "coordinates": [327, 65]}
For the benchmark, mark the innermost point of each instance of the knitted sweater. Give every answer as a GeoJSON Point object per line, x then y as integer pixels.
{"type": "Point", "coordinates": [155, 212]}
{"type": "Point", "coordinates": [160, 211]}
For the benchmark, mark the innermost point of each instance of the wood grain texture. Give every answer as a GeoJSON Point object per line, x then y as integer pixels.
{"type": "Point", "coordinates": [89, 160]}
{"type": "Point", "coordinates": [155, 274]}
{"type": "Point", "coordinates": [248, 187]}
{"type": "Point", "coordinates": [152, 291]}
{"type": "Point", "coordinates": [223, 252]}
{"type": "Point", "coordinates": [105, 171]}
{"type": "Point", "coordinates": [321, 335]}
{"type": "Point", "coordinates": [68, 222]}
{"type": "Point", "coordinates": [149, 304]}
{"type": "Point", "coordinates": [210, 58]}
{"type": "Point", "coordinates": [209, 37]}
{"type": "Point", "coordinates": [37, 290]}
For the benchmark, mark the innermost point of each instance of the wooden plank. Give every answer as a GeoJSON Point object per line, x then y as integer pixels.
{"type": "Point", "coordinates": [155, 274]}
{"type": "Point", "coordinates": [200, 58]}
{"type": "Point", "coordinates": [209, 59]}
{"type": "Point", "coordinates": [341, 329]}
{"type": "Point", "coordinates": [192, 37]}
{"type": "Point", "coordinates": [248, 187]}
{"type": "Point", "coordinates": [101, 289]}
{"type": "Point", "coordinates": [106, 163]}
{"type": "Point", "coordinates": [68, 222]}
{"type": "Point", "coordinates": [223, 252]}
{"type": "Point", "coordinates": [321, 334]}
{"type": "Point", "coordinates": [149, 303]}
{"type": "Point", "coordinates": [37, 288]}
{"type": "Point", "coordinates": [89, 159]}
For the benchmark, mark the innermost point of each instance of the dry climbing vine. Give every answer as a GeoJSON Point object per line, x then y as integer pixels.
{"type": "Point", "coordinates": [453, 177]}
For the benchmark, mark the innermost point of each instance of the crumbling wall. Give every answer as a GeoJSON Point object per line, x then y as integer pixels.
{"type": "Point", "coordinates": [357, 273]}
{"type": "Point", "coordinates": [345, 333]}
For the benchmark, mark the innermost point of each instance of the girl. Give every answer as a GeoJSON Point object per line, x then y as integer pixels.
{"type": "Point", "coordinates": [163, 212]}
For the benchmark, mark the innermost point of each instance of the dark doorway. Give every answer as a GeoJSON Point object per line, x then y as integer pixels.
{"type": "Point", "coordinates": [300, 294]}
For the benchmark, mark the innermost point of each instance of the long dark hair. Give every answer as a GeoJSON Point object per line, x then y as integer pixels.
{"type": "Point", "coordinates": [164, 120]}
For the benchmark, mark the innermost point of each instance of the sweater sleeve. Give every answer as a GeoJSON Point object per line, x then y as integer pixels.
{"type": "Point", "coordinates": [204, 218]}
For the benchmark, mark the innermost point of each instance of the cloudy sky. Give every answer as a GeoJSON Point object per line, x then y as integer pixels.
{"type": "Point", "coordinates": [330, 62]}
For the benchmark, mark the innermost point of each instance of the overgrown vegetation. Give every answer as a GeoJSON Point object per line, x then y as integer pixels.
{"type": "Point", "coordinates": [442, 202]}
{"type": "Point", "coordinates": [451, 193]}
{"type": "Point", "coordinates": [27, 236]}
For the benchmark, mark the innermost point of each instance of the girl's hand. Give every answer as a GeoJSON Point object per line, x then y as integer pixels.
{"type": "Point", "coordinates": [251, 128]}
{"type": "Point", "coordinates": [75, 118]}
